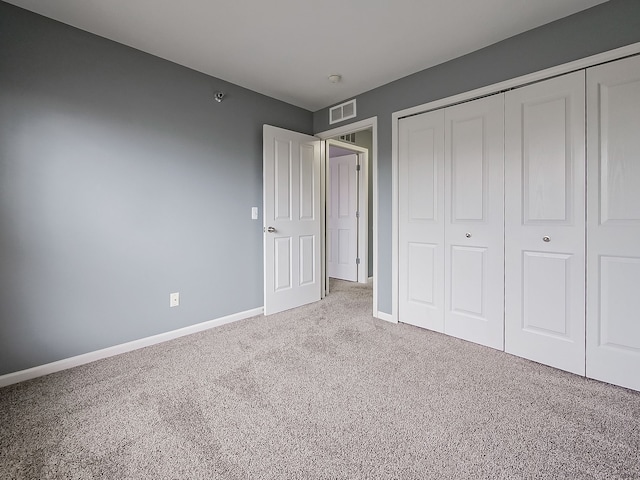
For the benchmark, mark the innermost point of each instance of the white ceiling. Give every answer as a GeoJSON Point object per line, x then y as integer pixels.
{"type": "Point", "coordinates": [287, 48]}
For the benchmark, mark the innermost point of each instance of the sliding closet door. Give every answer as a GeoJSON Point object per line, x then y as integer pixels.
{"type": "Point", "coordinates": [474, 221]}
{"type": "Point", "coordinates": [545, 222]}
{"type": "Point", "coordinates": [421, 223]}
{"type": "Point", "coordinates": [613, 233]}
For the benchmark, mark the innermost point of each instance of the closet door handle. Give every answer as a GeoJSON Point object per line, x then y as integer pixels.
{"type": "Point", "coordinates": [546, 239]}
{"type": "Point", "coordinates": [468, 235]}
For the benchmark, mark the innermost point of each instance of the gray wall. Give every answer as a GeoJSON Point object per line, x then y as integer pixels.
{"type": "Point", "coordinates": [601, 28]}
{"type": "Point", "coordinates": [121, 181]}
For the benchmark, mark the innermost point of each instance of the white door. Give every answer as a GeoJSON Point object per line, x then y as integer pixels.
{"type": "Point", "coordinates": [342, 221]}
{"type": "Point", "coordinates": [421, 220]}
{"type": "Point", "coordinates": [613, 233]}
{"type": "Point", "coordinates": [474, 221]}
{"type": "Point", "coordinates": [291, 187]}
{"type": "Point", "coordinates": [545, 222]}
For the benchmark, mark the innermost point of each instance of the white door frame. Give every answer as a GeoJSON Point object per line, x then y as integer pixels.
{"type": "Point", "coordinates": [583, 63]}
{"type": "Point", "coordinates": [365, 124]}
{"type": "Point", "coordinates": [363, 205]}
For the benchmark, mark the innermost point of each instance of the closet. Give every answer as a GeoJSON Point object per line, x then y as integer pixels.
{"type": "Point", "coordinates": [613, 222]}
{"type": "Point", "coordinates": [545, 222]}
{"type": "Point", "coordinates": [519, 221]}
{"type": "Point", "coordinates": [451, 173]}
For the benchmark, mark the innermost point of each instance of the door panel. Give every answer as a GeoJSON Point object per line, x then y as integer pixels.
{"type": "Point", "coordinates": [282, 187]}
{"type": "Point", "coordinates": [544, 222]}
{"type": "Point", "coordinates": [282, 255]}
{"type": "Point", "coordinates": [307, 264]}
{"type": "Point", "coordinates": [342, 222]}
{"type": "Point", "coordinates": [467, 281]}
{"type": "Point", "coordinates": [421, 259]}
{"type": "Point", "coordinates": [545, 166]}
{"type": "Point", "coordinates": [307, 183]}
{"type": "Point", "coordinates": [421, 220]}
{"type": "Point", "coordinates": [619, 280]}
{"type": "Point", "coordinates": [466, 158]}
{"type": "Point", "coordinates": [613, 229]}
{"type": "Point", "coordinates": [544, 303]}
{"type": "Point", "coordinates": [291, 187]}
{"type": "Point", "coordinates": [474, 221]}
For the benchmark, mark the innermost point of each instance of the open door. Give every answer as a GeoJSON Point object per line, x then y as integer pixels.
{"type": "Point", "coordinates": [347, 198]}
{"type": "Point", "coordinates": [292, 219]}
{"type": "Point", "coordinates": [342, 217]}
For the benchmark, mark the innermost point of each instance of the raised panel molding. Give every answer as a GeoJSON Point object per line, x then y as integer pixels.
{"type": "Point", "coordinates": [307, 259]}
{"type": "Point", "coordinates": [307, 183]}
{"type": "Point", "coordinates": [343, 246]}
{"type": "Point", "coordinates": [468, 277]}
{"type": "Point", "coordinates": [421, 273]}
{"type": "Point", "coordinates": [546, 159]}
{"type": "Point", "coordinates": [282, 180]}
{"type": "Point", "coordinates": [422, 165]}
{"type": "Point", "coordinates": [620, 168]}
{"type": "Point", "coordinates": [545, 286]}
{"type": "Point", "coordinates": [619, 303]}
{"type": "Point", "coordinates": [343, 190]}
{"type": "Point", "coordinates": [468, 166]}
{"type": "Point", "coordinates": [282, 257]}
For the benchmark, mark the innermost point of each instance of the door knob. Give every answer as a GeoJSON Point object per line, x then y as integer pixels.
{"type": "Point", "coordinates": [468, 235]}
{"type": "Point", "coordinates": [271, 229]}
{"type": "Point", "coordinates": [546, 239]}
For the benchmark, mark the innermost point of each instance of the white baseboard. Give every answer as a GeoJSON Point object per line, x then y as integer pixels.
{"type": "Point", "coordinates": [387, 317]}
{"type": "Point", "coordinates": [39, 371]}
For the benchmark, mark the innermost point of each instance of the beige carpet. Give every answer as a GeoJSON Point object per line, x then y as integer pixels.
{"type": "Point", "coordinates": [324, 391]}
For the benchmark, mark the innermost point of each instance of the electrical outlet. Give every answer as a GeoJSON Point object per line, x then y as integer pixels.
{"type": "Point", "coordinates": [174, 299]}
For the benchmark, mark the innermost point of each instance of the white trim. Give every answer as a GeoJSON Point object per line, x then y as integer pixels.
{"type": "Point", "coordinates": [395, 251]}
{"type": "Point", "coordinates": [385, 316]}
{"type": "Point", "coordinates": [371, 123]}
{"type": "Point", "coordinates": [324, 276]}
{"type": "Point", "coordinates": [363, 220]}
{"type": "Point", "coordinates": [580, 64]}
{"type": "Point", "coordinates": [85, 358]}
{"type": "Point", "coordinates": [349, 128]}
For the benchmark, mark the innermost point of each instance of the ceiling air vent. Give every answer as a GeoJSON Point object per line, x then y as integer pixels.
{"type": "Point", "coordinates": [342, 112]}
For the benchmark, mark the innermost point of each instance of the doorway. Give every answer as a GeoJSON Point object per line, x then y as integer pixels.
{"type": "Point", "coordinates": [361, 134]}
{"type": "Point", "coordinates": [275, 151]}
{"type": "Point", "coordinates": [347, 207]}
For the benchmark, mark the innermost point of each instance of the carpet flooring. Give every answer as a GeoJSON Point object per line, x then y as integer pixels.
{"type": "Point", "coordinates": [320, 392]}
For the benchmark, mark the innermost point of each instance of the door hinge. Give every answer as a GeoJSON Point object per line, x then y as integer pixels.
{"type": "Point", "coordinates": [357, 261]}
{"type": "Point", "coordinates": [357, 168]}
{"type": "Point", "coordinates": [357, 214]}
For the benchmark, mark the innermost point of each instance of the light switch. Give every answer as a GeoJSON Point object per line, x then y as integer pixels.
{"type": "Point", "coordinates": [254, 213]}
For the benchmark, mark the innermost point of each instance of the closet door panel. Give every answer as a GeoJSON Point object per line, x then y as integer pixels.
{"type": "Point", "coordinates": [545, 222]}
{"type": "Point", "coordinates": [474, 222]}
{"type": "Point", "coordinates": [613, 229]}
{"type": "Point", "coordinates": [421, 223]}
